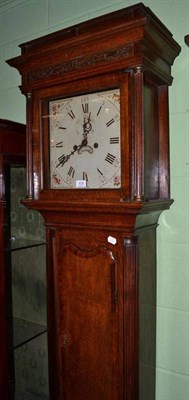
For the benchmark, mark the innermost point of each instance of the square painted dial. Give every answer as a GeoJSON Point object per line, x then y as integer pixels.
{"type": "Point", "coordinates": [84, 136]}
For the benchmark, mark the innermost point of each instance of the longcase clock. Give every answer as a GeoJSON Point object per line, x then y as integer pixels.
{"type": "Point", "coordinates": [98, 171]}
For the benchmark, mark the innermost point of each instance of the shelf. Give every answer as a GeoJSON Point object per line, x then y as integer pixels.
{"type": "Point", "coordinates": [21, 244]}
{"type": "Point", "coordinates": [24, 331]}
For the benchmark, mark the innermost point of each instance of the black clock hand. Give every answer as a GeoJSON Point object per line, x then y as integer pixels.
{"type": "Point", "coordinates": [82, 147]}
{"type": "Point", "coordinates": [64, 158]}
{"type": "Point", "coordinates": [87, 126]}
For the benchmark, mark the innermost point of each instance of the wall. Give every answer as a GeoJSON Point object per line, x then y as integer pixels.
{"type": "Point", "coordinates": [22, 20]}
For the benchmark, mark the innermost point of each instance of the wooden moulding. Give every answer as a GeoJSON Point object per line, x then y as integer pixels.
{"type": "Point", "coordinates": [123, 39]}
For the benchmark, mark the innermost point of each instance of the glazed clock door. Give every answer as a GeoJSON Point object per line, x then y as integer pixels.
{"type": "Point", "coordinates": [85, 141]}
{"type": "Point", "coordinates": [87, 322]}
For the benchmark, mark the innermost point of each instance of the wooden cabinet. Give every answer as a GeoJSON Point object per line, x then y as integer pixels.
{"type": "Point", "coordinates": [12, 152]}
{"type": "Point", "coordinates": [97, 102]}
{"type": "Point", "coordinates": [22, 277]}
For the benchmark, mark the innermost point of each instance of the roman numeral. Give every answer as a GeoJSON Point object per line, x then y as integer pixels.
{"type": "Point", "coordinates": [71, 114]}
{"type": "Point", "coordinates": [85, 177]}
{"type": "Point", "coordinates": [99, 110]}
{"type": "Point", "coordinates": [110, 158]}
{"type": "Point", "coordinates": [110, 122]}
{"type": "Point", "coordinates": [62, 160]}
{"type": "Point", "coordinates": [71, 172]}
{"type": "Point", "coordinates": [99, 171]}
{"type": "Point", "coordinates": [62, 127]}
{"type": "Point", "coordinates": [114, 140]}
{"type": "Point", "coordinates": [85, 107]}
{"type": "Point", "coordinates": [60, 144]}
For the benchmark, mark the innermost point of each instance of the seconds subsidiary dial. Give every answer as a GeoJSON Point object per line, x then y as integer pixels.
{"type": "Point", "coordinates": [85, 141]}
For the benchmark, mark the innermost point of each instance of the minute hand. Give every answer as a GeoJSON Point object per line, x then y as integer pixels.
{"type": "Point", "coordinates": [64, 158]}
{"type": "Point", "coordinates": [87, 126]}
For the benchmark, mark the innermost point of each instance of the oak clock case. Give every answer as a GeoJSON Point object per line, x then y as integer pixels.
{"type": "Point", "coordinates": [98, 171]}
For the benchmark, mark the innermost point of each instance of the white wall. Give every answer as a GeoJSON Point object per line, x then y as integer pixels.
{"type": "Point", "coordinates": [22, 20]}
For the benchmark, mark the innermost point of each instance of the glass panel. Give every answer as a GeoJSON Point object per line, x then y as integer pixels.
{"type": "Point", "coordinates": [31, 374]}
{"type": "Point", "coordinates": [91, 156]}
{"type": "Point", "coordinates": [28, 269]}
{"type": "Point", "coordinates": [18, 244]}
{"type": "Point", "coordinates": [24, 331]}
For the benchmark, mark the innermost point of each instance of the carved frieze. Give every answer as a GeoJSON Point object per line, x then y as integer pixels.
{"type": "Point", "coordinates": [81, 62]}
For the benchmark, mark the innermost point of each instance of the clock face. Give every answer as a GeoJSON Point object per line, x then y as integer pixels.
{"type": "Point", "coordinates": [85, 141]}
